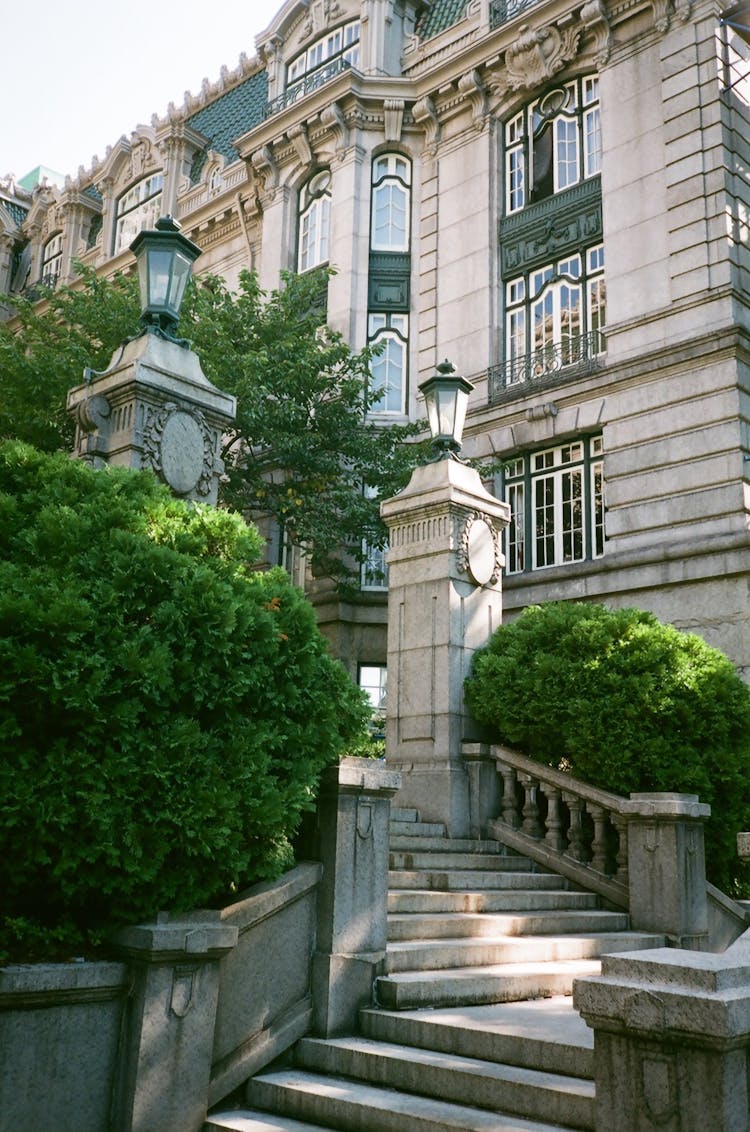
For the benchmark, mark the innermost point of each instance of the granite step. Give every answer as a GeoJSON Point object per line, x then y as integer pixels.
{"type": "Point", "coordinates": [547, 1033]}
{"type": "Point", "coordinates": [459, 1079]}
{"type": "Point", "coordinates": [441, 844]}
{"type": "Point", "coordinates": [445, 859]}
{"type": "Point", "coordinates": [512, 875]}
{"type": "Point", "coordinates": [337, 1102]}
{"type": "Point", "coordinates": [417, 901]}
{"type": "Point", "coordinates": [478, 986]}
{"type": "Point", "coordinates": [462, 925]}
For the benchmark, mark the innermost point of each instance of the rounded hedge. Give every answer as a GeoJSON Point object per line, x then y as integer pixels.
{"type": "Point", "coordinates": [625, 703]}
{"type": "Point", "coordinates": [165, 712]}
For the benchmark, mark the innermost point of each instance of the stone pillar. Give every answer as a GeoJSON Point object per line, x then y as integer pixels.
{"type": "Point", "coordinates": [671, 1040]}
{"type": "Point", "coordinates": [155, 408]}
{"type": "Point", "coordinates": [353, 815]}
{"type": "Point", "coordinates": [444, 603]}
{"type": "Point", "coordinates": [166, 1064]}
{"type": "Point", "coordinates": [667, 867]}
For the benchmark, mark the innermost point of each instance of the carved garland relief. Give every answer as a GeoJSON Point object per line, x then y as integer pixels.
{"type": "Point", "coordinates": [479, 554]}
{"type": "Point", "coordinates": [180, 447]}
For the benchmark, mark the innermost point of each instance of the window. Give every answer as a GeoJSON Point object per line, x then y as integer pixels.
{"type": "Point", "coordinates": [553, 143]}
{"type": "Point", "coordinates": [556, 500]}
{"type": "Point", "coordinates": [52, 254]}
{"type": "Point", "coordinates": [391, 203]}
{"type": "Point", "coordinates": [314, 221]}
{"type": "Point", "coordinates": [372, 680]}
{"type": "Point", "coordinates": [555, 315]}
{"type": "Point", "coordinates": [374, 575]}
{"type": "Point", "coordinates": [138, 208]}
{"type": "Point", "coordinates": [390, 332]}
{"type": "Point", "coordinates": [321, 60]}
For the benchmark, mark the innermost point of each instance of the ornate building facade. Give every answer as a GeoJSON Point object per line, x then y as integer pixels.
{"type": "Point", "coordinates": [554, 195]}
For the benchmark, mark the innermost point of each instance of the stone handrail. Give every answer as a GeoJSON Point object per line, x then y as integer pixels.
{"type": "Point", "coordinates": [564, 824]}
{"type": "Point", "coordinates": [601, 841]}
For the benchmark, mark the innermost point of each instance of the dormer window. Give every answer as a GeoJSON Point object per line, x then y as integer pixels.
{"type": "Point", "coordinates": [52, 255]}
{"type": "Point", "coordinates": [139, 207]}
{"type": "Point", "coordinates": [325, 57]}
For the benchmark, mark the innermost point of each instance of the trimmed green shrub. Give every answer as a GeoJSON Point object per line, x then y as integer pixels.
{"type": "Point", "coordinates": [165, 712]}
{"type": "Point", "coordinates": [625, 703]}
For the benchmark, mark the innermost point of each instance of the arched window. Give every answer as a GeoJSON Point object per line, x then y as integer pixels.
{"type": "Point", "coordinates": [553, 143]}
{"type": "Point", "coordinates": [391, 203]}
{"type": "Point", "coordinates": [388, 369]}
{"type": "Point", "coordinates": [138, 208]}
{"type": "Point", "coordinates": [52, 254]}
{"type": "Point", "coordinates": [314, 221]}
{"type": "Point", "coordinates": [322, 60]}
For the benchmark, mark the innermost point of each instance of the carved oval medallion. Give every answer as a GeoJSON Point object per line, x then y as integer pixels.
{"type": "Point", "coordinates": [480, 551]}
{"type": "Point", "coordinates": [182, 452]}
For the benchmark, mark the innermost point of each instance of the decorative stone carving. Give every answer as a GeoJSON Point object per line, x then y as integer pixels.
{"type": "Point", "coordinates": [425, 115]}
{"type": "Point", "coordinates": [299, 139]}
{"type": "Point", "coordinates": [538, 54]}
{"type": "Point", "coordinates": [393, 118]}
{"type": "Point", "coordinates": [479, 554]}
{"type": "Point", "coordinates": [333, 119]}
{"type": "Point", "coordinates": [472, 87]}
{"type": "Point", "coordinates": [594, 17]}
{"type": "Point", "coordinates": [266, 170]}
{"type": "Point", "coordinates": [179, 447]}
{"type": "Point", "coordinates": [660, 9]}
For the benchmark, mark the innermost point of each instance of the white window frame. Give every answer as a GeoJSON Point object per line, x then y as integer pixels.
{"type": "Point", "coordinates": [314, 222]}
{"type": "Point", "coordinates": [341, 43]}
{"type": "Point", "coordinates": [389, 369]}
{"type": "Point", "coordinates": [373, 679]}
{"type": "Point", "coordinates": [568, 120]}
{"type": "Point", "coordinates": [556, 499]}
{"type": "Point", "coordinates": [136, 209]}
{"type": "Point", "coordinates": [52, 257]}
{"type": "Point", "coordinates": [390, 225]}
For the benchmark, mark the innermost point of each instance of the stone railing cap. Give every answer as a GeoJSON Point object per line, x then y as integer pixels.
{"type": "Point", "coordinates": [659, 804]}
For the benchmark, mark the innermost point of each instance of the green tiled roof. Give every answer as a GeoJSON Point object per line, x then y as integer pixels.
{"type": "Point", "coordinates": [440, 15]}
{"type": "Point", "coordinates": [230, 116]}
{"type": "Point", "coordinates": [93, 192]}
{"type": "Point", "coordinates": [17, 211]}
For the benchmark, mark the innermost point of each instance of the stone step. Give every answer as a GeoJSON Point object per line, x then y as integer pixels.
{"type": "Point", "coordinates": [547, 1033]}
{"type": "Point", "coordinates": [509, 900]}
{"type": "Point", "coordinates": [430, 955]}
{"type": "Point", "coordinates": [445, 1076]}
{"type": "Point", "coordinates": [417, 830]}
{"type": "Point", "coordinates": [339, 1103]}
{"type": "Point", "coordinates": [467, 925]}
{"type": "Point", "coordinates": [464, 861]}
{"type": "Point", "coordinates": [440, 844]}
{"type": "Point", "coordinates": [460, 880]}
{"type": "Point", "coordinates": [243, 1120]}
{"type": "Point", "coordinates": [400, 814]}
{"type": "Point", "coordinates": [478, 986]}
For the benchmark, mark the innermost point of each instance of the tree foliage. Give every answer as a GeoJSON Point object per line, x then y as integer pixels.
{"type": "Point", "coordinates": [625, 703]}
{"type": "Point", "coordinates": [165, 711]}
{"type": "Point", "coordinates": [303, 449]}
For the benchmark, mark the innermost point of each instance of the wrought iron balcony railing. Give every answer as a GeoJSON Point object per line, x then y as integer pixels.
{"type": "Point", "coordinates": [307, 85]}
{"type": "Point", "coordinates": [503, 10]}
{"type": "Point", "coordinates": [574, 355]}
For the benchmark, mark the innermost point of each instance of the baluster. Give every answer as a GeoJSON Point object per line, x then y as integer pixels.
{"type": "Point", "coordinates": [531, 823]}
{"type": "Point", "coordinates": [554, 835]}
{"type": "Point", "coordinates": [599, 844]}
{"type": "Point", "coordinates": [619, 821]}
{"type": "Point", "coordinates": [509, 805]}
{"type": "Point", "coordinates": [576, 847]}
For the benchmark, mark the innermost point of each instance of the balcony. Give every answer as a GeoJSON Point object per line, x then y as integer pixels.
{"type": "Point", "coordinates": [547, 366]}
{"type": "Point", "coordinates": [307, 85]}
{"type": "Point", "coordinates": [503, 10]}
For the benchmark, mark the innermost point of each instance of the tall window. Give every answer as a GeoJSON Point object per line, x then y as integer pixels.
{"type": "Point", "coordinates": [314, 221]}
{"type": "Point", "coordinates": [557, 506]}
{"type": "Point", "coordinates": [391, 203]}
{"type": "Point", "coordinates": [139, 207]}
{"type": "Point", "coordinates": [553, 143]}
{"type": "Point", "coordinates": [388, 369]}
{"type": "Point", "coordinates": [329, 54]}
{"type": "Point", "coordinates": [550, 310]}
{"type": "Point", "coordinates": [372, 680]}
{"type": "Point", "coordinates": [52, 254]}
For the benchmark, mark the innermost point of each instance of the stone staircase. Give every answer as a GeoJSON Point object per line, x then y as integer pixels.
{"type": "Point", "coordinates": [474, 1028]}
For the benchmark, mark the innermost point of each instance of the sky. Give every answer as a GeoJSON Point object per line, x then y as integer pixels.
{"type": "Point", "coordinates": [77, 74]}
